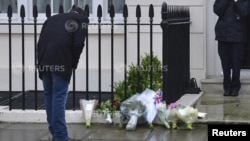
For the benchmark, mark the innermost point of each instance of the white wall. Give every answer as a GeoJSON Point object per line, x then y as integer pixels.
{"type": "Point", "coordinates": [197, 44]}
{"type": "Point", "coordinates": [213, 61]}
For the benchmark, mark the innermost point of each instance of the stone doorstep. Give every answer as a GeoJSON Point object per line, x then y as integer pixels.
{"type": "Point", "coordinates": [189, 99]}
{"type": "Point", "coordinates": [215, 85]}
{"type": "Point", "coordinates": [39, 116]}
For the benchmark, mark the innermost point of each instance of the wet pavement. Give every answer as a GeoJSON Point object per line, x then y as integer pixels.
{"type": "Point", "coordinates": [219, 109]}
{"type": "Point", "coordinates": [102, 132]}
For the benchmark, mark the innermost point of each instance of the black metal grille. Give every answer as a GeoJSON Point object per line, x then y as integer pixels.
{"type": "Point", "coordinates": [175, 56]}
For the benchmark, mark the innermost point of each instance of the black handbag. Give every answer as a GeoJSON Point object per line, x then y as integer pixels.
{"type": "Point", "coordinates": [242, 7]}
{"type": "Point", "coordinates": [193, 87]}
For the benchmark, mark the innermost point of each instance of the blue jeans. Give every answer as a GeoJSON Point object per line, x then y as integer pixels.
{"type": "Point", "coordinates": [55, 95]}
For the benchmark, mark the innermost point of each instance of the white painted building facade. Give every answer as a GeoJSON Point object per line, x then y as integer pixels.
{"type": "Point", "coordinates": [204, 61]}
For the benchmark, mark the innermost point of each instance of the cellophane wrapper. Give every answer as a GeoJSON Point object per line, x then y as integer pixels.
{"type": "Point", "coordinates": [132, 107]}
{"type": "Point", "coordinates": [147, 97]}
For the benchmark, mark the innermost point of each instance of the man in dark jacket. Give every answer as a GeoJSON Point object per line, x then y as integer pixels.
{"type": "Point", "coordinates": [59, 48]}
{"type": "Point", "coordinates": [231, 35]}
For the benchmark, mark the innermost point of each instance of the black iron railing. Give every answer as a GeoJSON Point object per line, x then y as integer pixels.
{"type": "Point", "coordinates": [175, 54]}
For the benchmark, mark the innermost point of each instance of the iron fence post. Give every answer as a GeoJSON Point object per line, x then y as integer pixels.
{"type": "Point", "coordinates": [87, 54]}
{"type": "Point", "coordinates": [35, 15]}
{"type": "Point", "coordinates": [99, 15]}
{"type": "Point", "coordinates": [138, 68]}
{"type": "Point", "coordinates": [22, 15]}
{"type": "Point", "coordinates": [125, 16]}
{"type": "Point", "coordinates": [10, 58]}
{"type": "Point", "coordinates": [151, 16]}
{"type": "Point", "coordinates": [112, 15]}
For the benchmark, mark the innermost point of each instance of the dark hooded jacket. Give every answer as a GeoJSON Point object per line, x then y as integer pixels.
{"type": "Point", "coordinates": [230, 27]}
{"type": "Point", "coordinates": [61, 43]}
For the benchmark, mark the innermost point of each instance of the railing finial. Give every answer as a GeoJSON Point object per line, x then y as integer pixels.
{"type": "Point", "coordinates": [9, 11]}
{"type": "Point", "coordinates": [138, 11]}
{"type": "Point", "coordinates": [112, 11]}
{"type": "Point", "coordinates": [125, 11]}
{"type": "Point", "coordinates": [35, 12]}
{"type": "Point", "coordinates": [86, 9]}
{"type": "Point", "coordinates": [61, 10]}
{"type": "Point", "coordinates": [151, 11]}
{"type": "Point", "coordinates": [99, 11]}
{"type": "Point", "coordinates": [22, 13]}
{"type": "Point", "coordinates": [48, 11]}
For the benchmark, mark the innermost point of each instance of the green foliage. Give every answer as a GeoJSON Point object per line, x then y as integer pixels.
{"type": "Point", "coordinates": [106, 107]}
{"type": "Point", "coordinates": [119, 93]}
{"type": "Point", "coordinates": [144, 75]}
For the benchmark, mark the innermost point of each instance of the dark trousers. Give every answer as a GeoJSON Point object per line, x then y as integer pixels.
{"type": "Point", "coordinates": [231, 55]}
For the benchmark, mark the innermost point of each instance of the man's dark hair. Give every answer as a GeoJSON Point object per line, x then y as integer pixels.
{"type": "Point", "coordinates": [78, 10]}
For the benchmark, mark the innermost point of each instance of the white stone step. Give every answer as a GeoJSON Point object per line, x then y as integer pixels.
{"type": "Point", "coordinates": [214, 85]}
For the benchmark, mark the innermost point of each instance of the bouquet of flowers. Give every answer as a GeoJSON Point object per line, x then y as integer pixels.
{"type": "Point", "coordinates": [88, 107]}
{"type": "Point", "coordinates": [143, 104]}
{"type": "Point", "coordinates": [175, 112]}
{"type": "Point", "coordinates": [107, 109]}
{"type": "Point", "coordinates": [162, 114]}
{"type": "Point", "coordinates": [132, 108]}
{"type": "Point", "coordinates": [171, 115]}
{"type": "Point", "coordinates": [188, 115]}
{"type": "Point", "coordinates": [151, 99]}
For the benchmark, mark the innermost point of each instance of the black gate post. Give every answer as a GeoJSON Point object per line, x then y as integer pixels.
{"type": "Point", "coordinates": [164, 26]}
{"type": "Point", "coordinates": [176, 43]}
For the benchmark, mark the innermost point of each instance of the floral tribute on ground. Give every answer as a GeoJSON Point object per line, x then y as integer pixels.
{"type": "Point", "coordinates": [107, 109]}
{"type": "Point", "coordinates": [147, 105]}
{"type": "Point", "coordinates": [138, 105]}
{"type": "Point", "coordinates": [150, 104]}
{"type": "Point", "coordinates": [88, 107]}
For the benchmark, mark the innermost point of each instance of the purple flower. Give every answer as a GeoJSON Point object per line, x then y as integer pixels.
{"type": "Point", "coordinates": [172, 105]}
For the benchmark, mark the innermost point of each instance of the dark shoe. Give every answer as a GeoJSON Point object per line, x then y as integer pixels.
{"type": "Point", "coordinates": [227, 93]}
{"type": "Point", "coordinates": [234, 94]}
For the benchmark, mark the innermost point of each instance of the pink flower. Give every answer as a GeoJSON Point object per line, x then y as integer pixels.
{"type": "Point", "coordinates": [172, 105]}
